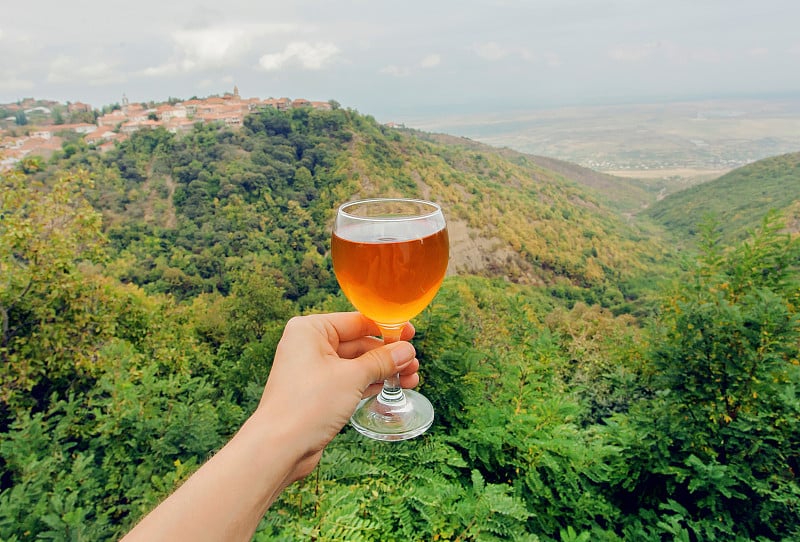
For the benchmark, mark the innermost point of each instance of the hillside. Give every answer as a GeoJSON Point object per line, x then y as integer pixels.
{"type": "Point", "coordinates": [145, 289]}
{"type": "Point", "coordinates": [623, 194]}
{"type": "Point", "coordinates": [737, 201]}
{"type": "Point", "coordinates": [222, 197]}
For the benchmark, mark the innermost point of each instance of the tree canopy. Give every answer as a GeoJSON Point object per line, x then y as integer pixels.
{"type": "Point", "coordinates": [588, 383]}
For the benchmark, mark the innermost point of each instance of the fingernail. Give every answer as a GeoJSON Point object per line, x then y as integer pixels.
{"type": "Point", "coordinates": [402, 353]}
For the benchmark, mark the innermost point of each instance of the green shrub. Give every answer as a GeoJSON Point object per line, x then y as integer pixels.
{"type": "Point", "coordinates": [719, 444]}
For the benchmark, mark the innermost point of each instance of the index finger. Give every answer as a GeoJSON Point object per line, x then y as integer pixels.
{"type": "Point", "coordinates": [349, 326]}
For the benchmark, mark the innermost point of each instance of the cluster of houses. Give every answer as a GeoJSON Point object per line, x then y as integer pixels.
{"type": "Point", "coordinates": [118, 124]}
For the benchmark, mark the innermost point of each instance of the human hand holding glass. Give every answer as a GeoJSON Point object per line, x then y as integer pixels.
{"type": "Point", "coordinates": [332, 361]}
{"type": "Point", "coordinates": [390, 257]}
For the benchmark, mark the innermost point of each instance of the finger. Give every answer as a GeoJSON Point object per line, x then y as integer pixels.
{"type": "Point", "coordinates": [408, 378]}
{"type": "Point", "coordinates": [353, 349]}
{"type": "Point", "coordinates": [409, 381]}
{"type": "Point", "coordinates": [348, 325]}
{"type": "Point", "coordinates": [351, 325]}
{"type": "Point", "coordinates": [406, 381]}
{"type": "Point", "coordinates": [380, 363]}
{"type": "Point", "coordinates": [411, 368]}
{"type": "Point", "coordinates": [408, 332]}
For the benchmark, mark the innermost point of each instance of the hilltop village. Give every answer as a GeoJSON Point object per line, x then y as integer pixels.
{"type": "Point", "coordinates": [39, 128]}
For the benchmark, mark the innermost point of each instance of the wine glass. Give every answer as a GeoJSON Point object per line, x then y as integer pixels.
{"type": "Point", "coordinates": [390, 256]}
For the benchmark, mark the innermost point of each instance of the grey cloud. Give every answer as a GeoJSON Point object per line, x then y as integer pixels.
{"type": "Point", "coordinates": [380, 57]}
{"type": "Point", "coordinates": [309, 56]}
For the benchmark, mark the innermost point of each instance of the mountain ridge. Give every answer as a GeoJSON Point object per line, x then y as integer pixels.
{"type": "Point", "coordinates": [481, 183]}
{"type": "Point", "coordinates": [737, 201]}
{"type": "Point", "coordinates": [268, 191]}
{"type": "Point", "coordinates": [622, 193]}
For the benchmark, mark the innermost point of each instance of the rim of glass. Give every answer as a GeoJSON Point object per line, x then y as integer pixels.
{"type": "Point", "coordinates": [436, 209]}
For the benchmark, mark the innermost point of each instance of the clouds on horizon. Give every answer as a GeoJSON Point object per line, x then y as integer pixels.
{"type": "Point", "coordinates": [355, 51]}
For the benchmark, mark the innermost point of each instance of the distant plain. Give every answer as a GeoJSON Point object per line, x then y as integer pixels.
{"type": "Point", "coordinates": [666, 145]}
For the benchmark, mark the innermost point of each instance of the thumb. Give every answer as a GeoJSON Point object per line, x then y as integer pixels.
{"type": "Point", "coordinates": [381, 363]}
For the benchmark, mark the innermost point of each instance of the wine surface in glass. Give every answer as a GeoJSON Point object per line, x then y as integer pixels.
{"type": "Point", "coordinates": [390, 279]}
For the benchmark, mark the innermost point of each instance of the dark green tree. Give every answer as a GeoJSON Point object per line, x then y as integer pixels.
{"type": "Point", "coordinates": [58, 116]}
{"type": "Point", "coordinates": [718, 448]}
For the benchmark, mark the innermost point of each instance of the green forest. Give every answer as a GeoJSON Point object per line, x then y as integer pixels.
{"type": "Point", "coordinates": [738, 199]}
{"type": "Point", "coordinates": [596, 377]}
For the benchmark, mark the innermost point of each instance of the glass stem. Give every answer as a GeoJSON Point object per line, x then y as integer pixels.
{"type": "Point", "coordinates": [392, 392]}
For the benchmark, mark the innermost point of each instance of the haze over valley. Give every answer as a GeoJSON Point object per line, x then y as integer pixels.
{"type": "Point", "coordinates": [670, 145]}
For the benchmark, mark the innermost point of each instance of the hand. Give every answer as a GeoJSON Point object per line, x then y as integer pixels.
{"type": "Point", "coordinates": [324, 365]}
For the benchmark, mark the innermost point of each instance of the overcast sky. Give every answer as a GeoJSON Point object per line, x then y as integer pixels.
{"type": "Point", "coordinates": [396, 58]}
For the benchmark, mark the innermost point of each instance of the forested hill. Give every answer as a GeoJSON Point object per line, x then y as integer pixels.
{"type": "Point", "coordinates": [578, 397]}
{"type": "Point", "coordinates": [737, 201]}
{"type": "Point", "coordinates": [194, 208]}
{"type": "Point", "coordinates": [623, 194]}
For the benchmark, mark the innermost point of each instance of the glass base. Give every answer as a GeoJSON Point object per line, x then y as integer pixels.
{"type": "Point", "coordinates": [393, 420]}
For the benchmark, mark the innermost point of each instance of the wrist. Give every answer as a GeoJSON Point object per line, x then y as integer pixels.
{"type": "Point", "coordinates": [274, 447]}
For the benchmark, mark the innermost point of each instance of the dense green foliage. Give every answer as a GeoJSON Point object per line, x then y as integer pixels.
{"type": "Point", "coordinates": [185, 214]}
{"type": "Point", "coordinates": [717, 448]}
{"type": "Point", "coordinates": [737, 200]}
{"type": "Point", "coordinates": [143, 292]}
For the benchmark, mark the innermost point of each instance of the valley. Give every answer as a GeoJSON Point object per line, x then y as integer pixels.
{"type": "Point", "coordinates": [672, 145]}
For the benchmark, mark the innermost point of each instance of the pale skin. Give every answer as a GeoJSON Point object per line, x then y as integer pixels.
{"type": "Point", "coordinates": [324, 365]}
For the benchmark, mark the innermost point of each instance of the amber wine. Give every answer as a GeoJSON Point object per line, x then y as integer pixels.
{"type": "Point", "coordinates": [390, 279]}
